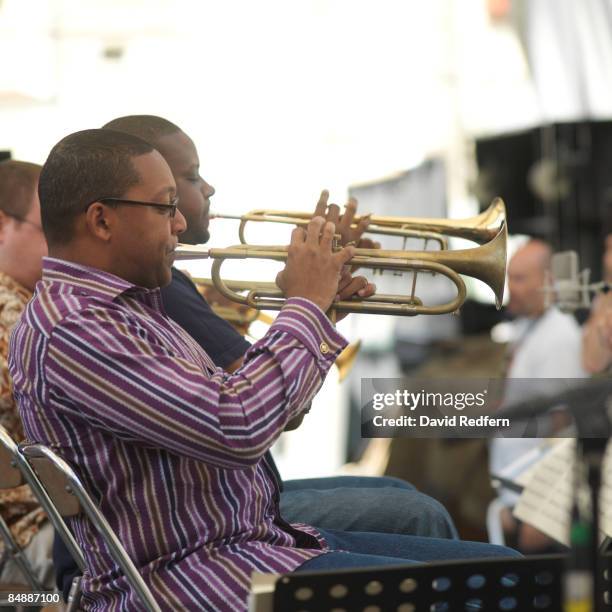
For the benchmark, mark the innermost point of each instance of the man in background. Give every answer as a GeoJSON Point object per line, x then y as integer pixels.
{"type": "Point", "coordinates": [22, 247]}
{"type": "Point", "coordinates": [545, 345]}
{"type": "Point", "coordinates": [597, 338]}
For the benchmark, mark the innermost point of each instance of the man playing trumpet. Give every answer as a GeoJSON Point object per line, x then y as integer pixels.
{"type": "Point", "coordinates": [351, 503]}
{"type": "Point", "coordinates": [347, 503]}
{"type": "Point", "coordinates": [171, 446]}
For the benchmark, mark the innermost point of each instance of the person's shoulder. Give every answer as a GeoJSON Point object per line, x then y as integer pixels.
{"type": "Point", "coordinates": [560, 322]}
{"type": "Point", "coordinates": [182, 300]}
{"type": "Point", "coordinates": [180, 277]}
{"type": "Point", "coordinates": [51, 309]}
{"type": "Point", "coordinates": [559, 333]}
{"type": "Point", "coordinates": [180, 287]}
{"type": "Point", "coordinates": [552, 332]}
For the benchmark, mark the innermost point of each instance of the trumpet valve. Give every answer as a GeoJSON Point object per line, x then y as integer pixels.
{"type": "Point", "coordinates": [337, 243]}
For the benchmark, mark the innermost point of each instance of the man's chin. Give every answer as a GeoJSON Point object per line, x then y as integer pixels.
{"type": "Point", "coordinates": [166, 278]}
{"type": "Point", "coordinates": [200, 237]}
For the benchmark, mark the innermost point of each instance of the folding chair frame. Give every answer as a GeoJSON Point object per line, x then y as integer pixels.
{"type": "Point", "coordinates": [32, 454]}
{"type": "Point", "coordinates": [11, 478]}
{"type": "Point", "coordinates": [28, 476]}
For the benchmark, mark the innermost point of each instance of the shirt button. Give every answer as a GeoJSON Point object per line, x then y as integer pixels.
{"type": "Point", "coordinates": [324, 348]}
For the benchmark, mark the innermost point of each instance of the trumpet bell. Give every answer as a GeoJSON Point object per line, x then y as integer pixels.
{"type": "Point", "coordinates": [346, 359]}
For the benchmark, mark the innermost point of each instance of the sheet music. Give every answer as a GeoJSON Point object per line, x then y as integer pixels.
{"type": "Point", "coordinates": [522, 469]}
{"type": "Point", "coordinates": [546, 501]}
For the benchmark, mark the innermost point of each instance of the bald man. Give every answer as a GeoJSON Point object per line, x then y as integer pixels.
{"type": "Point", "coordinates": [546, 345]}
{"type": "Point", "coordinates": [526, 278]}
{"type": "Point", "coordinates": [546, 342]}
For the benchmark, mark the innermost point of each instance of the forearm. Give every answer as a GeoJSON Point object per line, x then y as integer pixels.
{"type": "Point", "coordinates": [171, 402]}
{"type": "Point", "coordinates": [596, 339]}
{"type": "Point", "coordinates": [596, 355]}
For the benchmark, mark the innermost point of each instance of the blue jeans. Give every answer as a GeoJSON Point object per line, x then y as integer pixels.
{"type": "Point", "coordinates": [359, 503]}
{"type": "Point", "coordinates": [372, 549]}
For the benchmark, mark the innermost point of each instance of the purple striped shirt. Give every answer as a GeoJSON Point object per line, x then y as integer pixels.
{"type": "Point", "coordinates": [170, 446]}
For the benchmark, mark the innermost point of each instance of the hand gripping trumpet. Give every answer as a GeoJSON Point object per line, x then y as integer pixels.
{"type": "Point", "coordinates": [481, 229]}
{"type": "Point", "coordinates": [486, 263]}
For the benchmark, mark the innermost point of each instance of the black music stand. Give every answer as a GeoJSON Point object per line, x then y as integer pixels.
{"type": "Point", "coordinates": [522, 585]}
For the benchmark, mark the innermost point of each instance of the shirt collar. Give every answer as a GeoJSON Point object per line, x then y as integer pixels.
{"type": "Point", "coordinates": [85, 280]}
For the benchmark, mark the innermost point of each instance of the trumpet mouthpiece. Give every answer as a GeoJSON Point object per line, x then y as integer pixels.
{"type": "Point", "coordinates": [191, 251]}
{"type": "Point", "coordinates": [217, 215]}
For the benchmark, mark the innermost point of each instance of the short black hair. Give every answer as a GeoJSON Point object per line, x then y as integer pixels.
{"type": "Point", "coordinates": [18, 181]}
{"type": "Point", "coordinates": [148, 127]}
{"type": "Point", "coordinates": [81, 168]}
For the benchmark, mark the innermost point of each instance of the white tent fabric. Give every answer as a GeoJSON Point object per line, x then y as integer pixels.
{"type": "Point", "coordinates": [569, 45]}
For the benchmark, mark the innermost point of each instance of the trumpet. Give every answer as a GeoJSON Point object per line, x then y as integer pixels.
{"type": "Point", "coordinates": [486, 263]}
{"type": "Point", "coordinates": [481, 228]}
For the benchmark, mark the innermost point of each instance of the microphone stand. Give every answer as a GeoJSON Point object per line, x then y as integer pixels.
{"type": "Point", "coordinates": [583, 577]}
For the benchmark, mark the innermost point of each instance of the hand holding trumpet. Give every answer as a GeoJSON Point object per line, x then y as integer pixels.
{"type": "Point", "coordinates": [350, 233]}
{"type": "Point", "coordinates": [313, 271]}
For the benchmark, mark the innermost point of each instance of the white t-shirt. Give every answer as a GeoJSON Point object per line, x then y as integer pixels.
{"type": "Point", "coordinates": [546, 348]}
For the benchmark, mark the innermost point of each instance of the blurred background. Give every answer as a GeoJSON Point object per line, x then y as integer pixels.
{"type": "Point", "coordinates": [416, 108]}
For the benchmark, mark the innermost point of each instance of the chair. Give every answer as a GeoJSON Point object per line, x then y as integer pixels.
{"type": "Point", "coordinates": [10, 478]}
{"type": "Point", "coordinates": [69, 498]}
{"type": "Point", "coordinates": [494, 523]}
{"type": "Point", "coordinates": [19, 471]}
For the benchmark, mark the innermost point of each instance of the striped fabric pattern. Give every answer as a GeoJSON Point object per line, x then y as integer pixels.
{"type": "Point", "coordinates": [169, 446]}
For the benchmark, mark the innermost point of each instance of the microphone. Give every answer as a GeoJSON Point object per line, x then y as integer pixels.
{"type": "Point", "coordinates": [566, 281]}
{"type": "Point", "coordinates": [568, 287]}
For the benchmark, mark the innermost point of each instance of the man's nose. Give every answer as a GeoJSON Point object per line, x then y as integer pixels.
{"type": "Point", "coordinates": [208, 190]}
{"type": "Point", "coordinates": [179, 223]}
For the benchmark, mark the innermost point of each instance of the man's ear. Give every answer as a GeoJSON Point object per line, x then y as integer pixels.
{"type": "Point", "coordinates": [98, 219]}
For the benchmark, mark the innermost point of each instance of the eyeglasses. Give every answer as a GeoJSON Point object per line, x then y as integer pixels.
{"type": "Point", "coordinates": [169, 209]}
{"type": "Point", "coordinates": [26, 221]}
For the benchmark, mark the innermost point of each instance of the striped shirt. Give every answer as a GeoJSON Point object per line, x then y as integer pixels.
{"type": "Point", "coordinates": [169, 446]}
